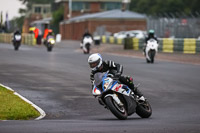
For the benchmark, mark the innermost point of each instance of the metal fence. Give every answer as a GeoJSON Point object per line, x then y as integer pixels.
{"type": "Point", "coordinates": [188, 27]}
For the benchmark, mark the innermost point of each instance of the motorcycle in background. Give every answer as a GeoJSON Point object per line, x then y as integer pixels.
{"type": "Point", "coordinates": [151, 50]}
{"type": "Point", "coordinates": [17, 41]}
{"type": "Point", "coordinates": [118, 98]}
{"type": "Point", "coordinates": [50, 43]}
{"type": "Point", "coordinates": [86, 44]}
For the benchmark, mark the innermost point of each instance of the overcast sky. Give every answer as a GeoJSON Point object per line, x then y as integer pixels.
{"type": "Point", "coordinates": [10, 6]}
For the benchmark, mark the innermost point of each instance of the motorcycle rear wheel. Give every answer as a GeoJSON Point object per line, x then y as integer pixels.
{"type": "Point", "coordinates": [16, 46]}
{"type": "Point", "coordinates": [119, 111]}
{"type": "Point", "coordinates": [144, 109]}
{"type": "Point", "coordinates": [152, 55]}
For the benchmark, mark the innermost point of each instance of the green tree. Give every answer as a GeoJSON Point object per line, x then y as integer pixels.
{"type": "Point", "coordinates": [58, 16]}
{"type": "Point", "coordinates": [29, 3]}
{"type": "Point", "coordinates": [167, 7]}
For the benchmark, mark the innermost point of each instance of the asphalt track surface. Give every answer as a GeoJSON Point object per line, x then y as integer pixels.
{"type": "Point", "coordinates": [59, 83]}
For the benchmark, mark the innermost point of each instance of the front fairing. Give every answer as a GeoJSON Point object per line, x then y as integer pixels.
{"type": "Point", "coordinates": [17, 37]}
{"type": "Point", "coordinates": [51, 41]}
{"type": "Point", "coordinates": [108, 84]}
{"type": "Point", "coordinates": [87, 39]}
{"type": "Point", "coordinates": [96, 91]}
{"type": "Point", "coordinates": [152, 45]}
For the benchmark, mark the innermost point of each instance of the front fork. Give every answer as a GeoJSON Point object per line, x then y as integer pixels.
{"type": "Point", "coordinates": [115, 98]}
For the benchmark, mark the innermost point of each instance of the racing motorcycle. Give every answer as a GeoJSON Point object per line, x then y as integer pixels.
{"type": "Point", "coordinates": [50, 43]}
{"type": "Point", "coordinates": [17, 41]}
{"type": "Point", "coordinates": [118, 98]}
{"type": "Point", "coordinates": [151, 50]}
{"type": "Point", "coordinates": [87, 42]}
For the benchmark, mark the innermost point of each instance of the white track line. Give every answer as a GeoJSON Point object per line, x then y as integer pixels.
{"type": "Point", "coordinates": [42, 113]}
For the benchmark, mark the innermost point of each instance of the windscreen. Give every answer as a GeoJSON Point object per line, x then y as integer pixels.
{"type": "Point", "coordinates": [98, 78]}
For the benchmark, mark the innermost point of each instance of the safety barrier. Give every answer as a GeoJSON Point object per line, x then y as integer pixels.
{"type": "Point", "coordinates": [5, 38]}
{"type": "Point", "coordinates": [167, 45]}
{"type": "Point", "coordinates": [27, 39]}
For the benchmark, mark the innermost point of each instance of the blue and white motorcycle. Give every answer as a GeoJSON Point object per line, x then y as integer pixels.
{"type": "Point", "coordinates": [118, 98]}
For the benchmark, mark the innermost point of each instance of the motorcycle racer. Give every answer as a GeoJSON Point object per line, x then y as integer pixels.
{"type": "Point", "coordinates": [97, 64]}
{"type": "Point", "coordinates": [151, 35]}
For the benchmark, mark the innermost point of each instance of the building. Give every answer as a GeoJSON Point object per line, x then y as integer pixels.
{"type": "Point", "coordinates": [102, 23]}
{"type": "Point", "coordinates": [80, 7]}
{"type": "Point", "coordinates": [41, 24]}
{"type": "Point", "coordinates": [99, 17]}
{"type": "Point", "coordinates": [38, 12]}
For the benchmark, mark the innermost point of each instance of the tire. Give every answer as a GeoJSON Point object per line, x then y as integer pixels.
{"type": "Point", "coordinates": [119, 112]}
{"type": "Point", "coordinates": [152, 56]}
{"type": "Point", "coordinates": [49, 49]}
{"type": "Point", "coordinates": [147, 61]}
{"type": "Point", "coordinates": [144, 110]}
{"type": "Point", "coordinates": [16, 48]}
{"type": "Point", "coordinates": [88, 48]}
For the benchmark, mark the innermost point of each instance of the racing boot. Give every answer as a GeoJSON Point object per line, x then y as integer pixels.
{"type": "Point", "coordinates": [139, 93]}
{"type": "Point", "coordinates": [135, 89]}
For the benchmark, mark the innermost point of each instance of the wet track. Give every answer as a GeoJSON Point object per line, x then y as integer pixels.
{"type": "Point", "coordinates": [59, 83]}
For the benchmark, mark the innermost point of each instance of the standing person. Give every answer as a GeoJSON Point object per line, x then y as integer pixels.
{"type": "Point", "coordinates": [46, 31]}
{"type": "Point", "coordinates": [36, 31]}
{"type": "Point", "coordinates": [98, 65]}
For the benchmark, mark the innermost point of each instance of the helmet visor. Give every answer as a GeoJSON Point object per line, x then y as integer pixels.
{"type": "Point", "coordinates": [94, 64]}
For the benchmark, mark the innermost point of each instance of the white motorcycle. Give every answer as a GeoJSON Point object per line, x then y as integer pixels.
{"type": "Point", "coordinates": [87, 42]}
{"type": "Point", "coordinates": [151, 50]}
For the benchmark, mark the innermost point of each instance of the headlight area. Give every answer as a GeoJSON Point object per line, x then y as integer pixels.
{"type": "Point", "coordinates": [52, 41]}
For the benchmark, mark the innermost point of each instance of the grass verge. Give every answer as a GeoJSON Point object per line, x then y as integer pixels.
{"type": "Point", "coordinates": [14, 108]}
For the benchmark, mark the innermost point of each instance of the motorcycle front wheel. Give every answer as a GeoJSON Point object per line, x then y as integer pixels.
{"type": "Point", "coordinates": [16, 46]}
{"type": "Point", "coordinates": [152, 55]}
{"type": "Point", "coordinates": [119, 111]}
{"type": "Point", "coordinates": [49, 49]}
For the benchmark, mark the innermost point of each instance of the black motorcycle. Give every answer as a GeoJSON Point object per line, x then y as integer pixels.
{"type": "Point", "coordinates": [17, 41]}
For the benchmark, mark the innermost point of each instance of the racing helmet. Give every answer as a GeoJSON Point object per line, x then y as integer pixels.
{"type": "Point", "coordinates": [95, 61]}
{"type": "Point", "coordinates": [151, 33]}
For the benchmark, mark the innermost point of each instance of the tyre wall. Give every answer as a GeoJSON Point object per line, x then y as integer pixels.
{"type": "Point", "coordinates": [167, 45]}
